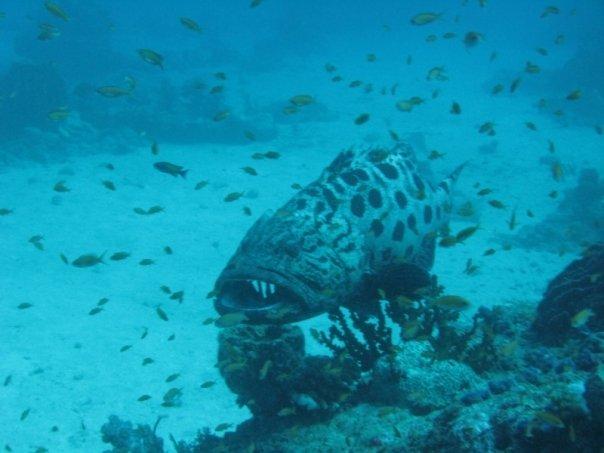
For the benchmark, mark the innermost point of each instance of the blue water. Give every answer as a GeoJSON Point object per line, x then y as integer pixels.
{"type": "Point", "coordinates": [66, 368]}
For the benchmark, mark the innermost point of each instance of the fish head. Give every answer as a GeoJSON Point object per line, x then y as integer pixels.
{"type": "Point", "coordinates": [279, 274]}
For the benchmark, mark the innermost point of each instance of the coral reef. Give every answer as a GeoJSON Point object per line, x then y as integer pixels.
{"type": "Point", "coordinates": [126, 439]}
{"type": "Point", "coordinates": [266, 367]}
{"type": "Point", "coordinates": [579, 287]}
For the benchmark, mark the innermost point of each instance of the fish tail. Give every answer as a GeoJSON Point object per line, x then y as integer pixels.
{"type": "Point", "coordinates": [183, 173]}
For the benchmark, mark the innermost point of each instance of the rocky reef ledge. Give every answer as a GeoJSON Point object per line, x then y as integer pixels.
{"type": "Point", "coordinates": [414, 377]}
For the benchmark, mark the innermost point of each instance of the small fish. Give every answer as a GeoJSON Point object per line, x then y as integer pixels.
{"type": "Point", "coordinates": [550, 419]}
{"type": "Point", "coordinates": [455, 108]}
{"type": "Point", "coordinates": [472, 38]}
{"type": "Point", "coordinates": [531, 68]}
{"type": "Point", "coordinates": [24, 414]}
{"type": "Point", "coordinates": [151, 57]}
{"type": "Point", "coordinates": [286, 412]}
{"type": "Point", "coordinates": [201, 184]}
{"type": "Point", "coordinates": [171, 169]}
{"type": "Point", "coordinates": [119, 256]}
{"type": "Point", "coordinates": [148, 361]}
{"type": "Point", "coordinates": [125, 347]}
{"type": "Point", "coordinates": [530, 125]}
{"type": "Point", "coordinates": [109, 185]}
{"type": "Point", "coordinates": [154, 210]}
{"type": "Point", "coordinates": [207, 384]}
{"type": "Point", "coordinates": [497, 89]}
{"type": "Point", "coordinates": [264, 370]}
{"type": "Point", "coordinates": [144, 398]}
{"type": "Point", "coordinates": [95, 311]}
{"type": "Point", "coordinates": [437, 73]}
{"type": "Point", "coordinates": [371, 57]}
{"type": "Point", "coordinates": [512, 221]}
{"type": "Point", "coordinates": [255, 3]}
{"type": "Point", "coordinates": [208, 321]}
{"type": "Point", "coordinates": [162, 314]}
{"type": "Point", "coordinates": [466, 233]}
{"type": "Point", "coordinates": [64, 258]}
{"type": "Point", "coordinates": [483, 192]}
{"type": "Point", "coordinates": [489, 252]}
{"type": "Point", "coordinates": [178, 295]}
{"type": "Point", "coordinates": [24, 306]}
{"type": "Point", "coordinates": [434, 154]}
{"type": "Point", "coordinates": [221, 116]}
{"type": "Point", "coordinates": [470, 268]}
{"type": "Point", "coordinates": [487, 128]}
{"type": "Point", "coordinates": [146, 262]}
{"type": "Point", "coordinates": [466, 209]}
{"type": "Point", "coordinates": [550, 10]}
{"type": "Point", "coordinates": [452, 302]}
{"type": "Point", "coordinates": [60, 114]}
{"type": "Point", "coordinates": [553, 194]}
{"type": "Point", "coordinates": [88, 260]}
{"type": "Point", "coordinates": [5, 211]}
{"type": "Point", "coordinates": [581, 318]}
{"type": "Point", "coordinates": [225, 426]}
{"type": "Point", "coordinates": [448, 241]}
{"type": "Point", "coordinates": [301, 100]}
{"type": "Point", "coordinates": [330, 68]}
{"type": "Point", "coordinates": [574, 95]}
{"type": "Point", "coordinates": [551, 146]}
{"type": "Point", "coordinates": [425, 18]}
{"type": "Point", "coordinates": [56, 10]}
{"type": "Point", "coordinates": [515, 84]}
{"type": "Point", "coordinates": [112, 91]}
{"type": "Point", "coordinates": [168, 250]}
{"type": "Point", "coordinates": [61, 187]}
{"type": "Point", "coordinates": [230, 319]}
{"type": "Point", "coordinates": [216, 89]}
{"type": "Point", "coordinates": [247, 210]}
{"type": "Point", "coordinates": [190, 24]}
{"type": "Point", "coordinates": [557, 171]}
{"type": "Point", "coordinates": [172, 377]}
{"type": "Point", "coordinates": [250, 171]}
{"type": "Point", "coordinates": [529, 213]}
{"type": "Point", "coordinates": [249, 135]}
{"type": "Point", "coordinates": [102, 301]}
{"type": "Point", "coordinates": [233, 196]}
{"type": "Point", "coordinates": [361, 119]}
{"type": "Point", "coordinates": [497, 204]}
{"type": "Point", "coordinates": [541, 51]}
{"type": "Point", "coordinates": [154, 148]}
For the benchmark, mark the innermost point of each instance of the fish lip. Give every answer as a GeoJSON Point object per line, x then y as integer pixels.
{"type": "Point", "coordinates": [237, 293]}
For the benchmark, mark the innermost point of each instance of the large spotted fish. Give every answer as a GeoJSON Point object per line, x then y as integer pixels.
{"type": "Point", "coordinates": [369, 221]}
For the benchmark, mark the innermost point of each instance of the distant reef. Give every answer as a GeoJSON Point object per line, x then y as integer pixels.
{"type": "Point", "coordinates": [414, 378]}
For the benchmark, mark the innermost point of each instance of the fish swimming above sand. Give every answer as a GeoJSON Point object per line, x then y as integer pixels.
{"type": "Point", "coordinates": [359, 227]}
{"type": "Point", "coordinates": [151, 57]}
{"type": "Point", "coordinates": [171, 169]}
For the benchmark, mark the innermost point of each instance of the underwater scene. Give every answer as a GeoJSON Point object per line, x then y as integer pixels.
{"type": "Point", "coordinates": [321, 226]}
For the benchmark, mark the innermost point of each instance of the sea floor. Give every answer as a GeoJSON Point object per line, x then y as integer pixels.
{"type": "Point", "coordinates": [65, 368]}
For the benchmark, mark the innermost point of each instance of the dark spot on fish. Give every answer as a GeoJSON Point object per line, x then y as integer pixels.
{"type": "Point", "coordinates": [349, 248]}
{"type": "Point", "coordinates": [312, 192]}
{"type": "Point", "coordinates": [349, 178]}
{"type": "Point", "coordinates": [399, 231]}
{"type": "Point", "coordinates": [331, 199]}
{"type": "Point", "coordinates": [357, 206]}
{"type": "Point", "coordinates": [418, 183]}
{"type": "Point", "coordinates": [443, 185]}
{"type": "Point", "coordinates": [300, 204]}
{"type": "Point", "coordinates": [377, 227]}
{"type": "Point", "coordinates": [438, 213]}
{"type": "Point", "coordinates": [361, 174]}
{"type": "Point", "coordinates": [319, 207]}
{"type": "Point", "coordinates": [409, 251]}
{"type": "Point", "coordinates": [387, 254]}
{"type": "Point", "coordinates": [427, 214]}
{"type": "Point", "coordinates": [339, 187]}
{"type": "Point", "coordinates": [388, 170]}
{"type": "Point", "coordinates": [401, 199]}
{"type": "Point", "coordinates": [375, 198]}
{"type": "Point", "coordinates": [412, 223]}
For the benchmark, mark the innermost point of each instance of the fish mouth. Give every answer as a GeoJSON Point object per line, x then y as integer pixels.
{"type": "Point", "coordinates": [261, 300]}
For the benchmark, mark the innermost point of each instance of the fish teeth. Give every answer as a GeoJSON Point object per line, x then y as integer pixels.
{"type": "Point", "coordinates": [256, 285]}
{"type": "Point", "coordinates": [263, 288]}
{"type": "Point", "coordinates": [271, 289]}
